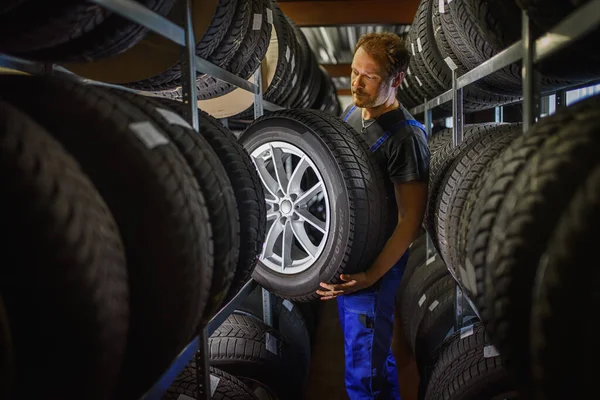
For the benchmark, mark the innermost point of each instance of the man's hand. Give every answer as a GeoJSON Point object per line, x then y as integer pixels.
{"type": "Point", "coordinates": [352, 283]}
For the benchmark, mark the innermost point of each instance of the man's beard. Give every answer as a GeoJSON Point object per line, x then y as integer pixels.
{"type": "Point", "coordinates": [369, 101]}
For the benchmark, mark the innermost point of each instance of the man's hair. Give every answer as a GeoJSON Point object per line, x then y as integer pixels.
{"type": "Point", "coordinates": [388, 49]}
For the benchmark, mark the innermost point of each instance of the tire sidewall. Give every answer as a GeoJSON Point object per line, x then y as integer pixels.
{"type": "Point", "coordinates": [332, 256]}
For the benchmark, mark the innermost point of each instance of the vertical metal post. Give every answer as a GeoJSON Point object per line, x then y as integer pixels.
{"type": "Point", "coordinates": [457, 111]}
{"type": "Point", "coordinates": [561, 99]}
{"type": "Point", "coordinates": [188, 68]}
{"type": "Point", "coordinates": [258, 112]}
{"type": "Point", "coordinates": [429, 249]}
{"type": "Point", "coordinates": [459, 307]}
{"type": "Point", "coordinates": [203, 366]}
{"type": "Point", "coordinates": [267, 310]}
{"type": "Point", "coordinates": [530, 76]}
{"type": "Point", "coordinates": [499, 114]}
{"type": "Point", "coordinates": [258, 96]}
{"type": "Point", "coordinates": [190, 98]}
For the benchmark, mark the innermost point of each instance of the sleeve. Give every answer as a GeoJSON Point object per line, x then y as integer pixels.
{"type": "Point", "coordinates": [408, 160]}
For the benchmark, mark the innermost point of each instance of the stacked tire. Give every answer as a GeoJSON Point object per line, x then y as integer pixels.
{"type": "Point", "coordinates": [291, 76]}
{"type": "Point", "coordinates": [133, 228]}
{"type": "Point", "coordinates": [271, 362]}
{"type": "Point", "coordinates": [508, 212]}
{"type": "Point", "coordinates": [460, 35]}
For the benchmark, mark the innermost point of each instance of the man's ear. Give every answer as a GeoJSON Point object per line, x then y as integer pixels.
{"type": "Point", "coordinates": [398, 80]}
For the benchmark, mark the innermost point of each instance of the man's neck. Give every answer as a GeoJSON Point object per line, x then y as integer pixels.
{"type": "Point", "coordinates": [371, 113]}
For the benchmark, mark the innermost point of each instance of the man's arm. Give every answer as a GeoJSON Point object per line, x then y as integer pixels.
{"type": "Point", "coordinates": [411, 199]}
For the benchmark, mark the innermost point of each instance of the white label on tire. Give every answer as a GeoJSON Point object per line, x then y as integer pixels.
{"type": "Point", "coordinates": [173, 118]}
{"type": "Point", "coordinates": [466, 331]}
{"type": "Point", "coordinates": [271, 343]}
{"type": "Point", "coordinates": [288, 52]}
{"type": "Point", "coordinates": [293, 62]}
{"type": "Point", "coordinates": [270, 16]}
{"type": "Point", "coordinates": [295, 80]}
{"type": "Point", "coordinates": [408, 70]}
{"type": "Point", "coordinates": [430, 260]}
{"type": "Point", "coordinates": [257, 22]}
{"type": "Point", "coordinates": [412, 45]}
{"type": "Point", "coordinates": [442, 7]}
{"type": "Point", "coordinates": [148, 134]}
{"type": "Point", "coordinates": [433, 305]}
{"type": "Point", "coordinates": [418, 80]}
{"type": "Point", "coordinates": [406, 81]}
{"type": "Point", "coordinates": [419, 45]}
{"type": "Point", "coordinates": [422, 300]}
{"type": "Point", "coordinates": [450, 63]}
{"type": "Point", "coordinates": [468, 277]}
{"type": "Point", "coordinates": [490, 351]}
{"type": "Point", "coordinates": [214, 383]}
{"type": "Point", "coordinates": [288, 304]}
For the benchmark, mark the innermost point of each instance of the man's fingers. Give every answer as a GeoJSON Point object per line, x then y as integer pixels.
{"type": "Point", "coordinates": [328, 298]}
{"type": "Point", "coordinates": [330, 292]}
{"type": "Point", "coordinates": [340, 286]}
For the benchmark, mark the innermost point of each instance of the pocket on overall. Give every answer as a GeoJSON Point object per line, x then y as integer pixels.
{"type": "Point", "coordinates": [359, 328]}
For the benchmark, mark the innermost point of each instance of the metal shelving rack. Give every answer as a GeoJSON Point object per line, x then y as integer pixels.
{"type": "Point", "coordinates": [530, 51]}
{"type": "Point", "coordinates": [183, 35]}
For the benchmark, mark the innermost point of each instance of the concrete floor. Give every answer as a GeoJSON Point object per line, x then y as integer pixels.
{"type": "Point", "coordinates": [326, 379]}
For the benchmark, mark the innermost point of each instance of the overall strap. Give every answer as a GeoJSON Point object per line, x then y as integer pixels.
{"type": "Point", "coordinates": [348, 114]}
{"type": "Point", "coordinates": [386, 135]}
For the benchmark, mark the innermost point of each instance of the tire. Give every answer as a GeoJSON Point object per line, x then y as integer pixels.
{"type": "Point", "coordinates": [71, 31]}
{"type": "Point", "coordinates": [216, 189]}
{"type": "Point", "coordinates": [171, 228]}
{"type": "Point", "coordinates": [256, 354]}
{"type": "Point", "coordinates": [247, 189]}
{"type": "Point", "coordinates": [439, 140]}
{"type": "Point", "coordinates": [424, 277]}
{"type": "Point", "coordinates": [440, 162]}
{"type": "Point", "coordinates": [559, 289]}
{"type": "Point", "coordinates": [428, 302]}
{"type": "Point", "coordinates": [339, 161]}
{"type": "Point", "coordinates": [72, 279]}
{"type": "Point", "coordinates": [287, 320]}
{"type": "Point", "coordinates": [247, 59]}
{"type": "Point", "coordinates": [475, 97]}
{"type": "Point", "coordinates": [210, 42]}
{"type": "Point", "coordinates": [525, 221]}
{"type": "Point", "coordinates": [222, 385]}
{"type": "Point", "coordinates": [469, 368]}
{"type": "Point", "coordinates": [458, 182]}
{"type": "Point", "coordinates": [437, 324]}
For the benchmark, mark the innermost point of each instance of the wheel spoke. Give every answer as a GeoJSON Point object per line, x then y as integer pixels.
{"type": "Point", "coordinates": [305, 215]}
{"type": "Point", "coordinates": [296, 178]}
{"type": "Point", "coordinates": [269, 183]}
{"type": "Point", "coordinates": [272, 215]}
{"type": "Point", "coordinates": [282, 179]}
{"type": "Point", "coordinates": [286, 246]}
{"type": "Point", "coordinates": [302, 237]}
{"type": "Point", "coordinates": [272, 235]}
{"type": "Point", "coordinates": [309, 194]}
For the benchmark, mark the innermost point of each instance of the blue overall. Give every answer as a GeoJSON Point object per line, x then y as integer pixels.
{"type": "Point", "coordinates": [367, 321]}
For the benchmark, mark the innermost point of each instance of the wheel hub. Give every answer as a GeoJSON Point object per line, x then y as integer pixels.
{"type": "Point", "coordinates": [298, 210]}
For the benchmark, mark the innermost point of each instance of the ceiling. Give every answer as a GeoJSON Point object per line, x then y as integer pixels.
{"type": "Point", "coordinates": [333, 27]}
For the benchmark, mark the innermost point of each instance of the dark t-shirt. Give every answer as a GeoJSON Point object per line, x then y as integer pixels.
{"type": "Point", "coordinates": [405, 154]}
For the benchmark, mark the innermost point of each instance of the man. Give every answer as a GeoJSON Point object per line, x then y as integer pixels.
{"type": "Point", "coordinates": [366, 300]}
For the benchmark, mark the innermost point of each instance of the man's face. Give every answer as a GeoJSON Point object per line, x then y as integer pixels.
{"type": "Point", "coordinates": [370, 88]}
